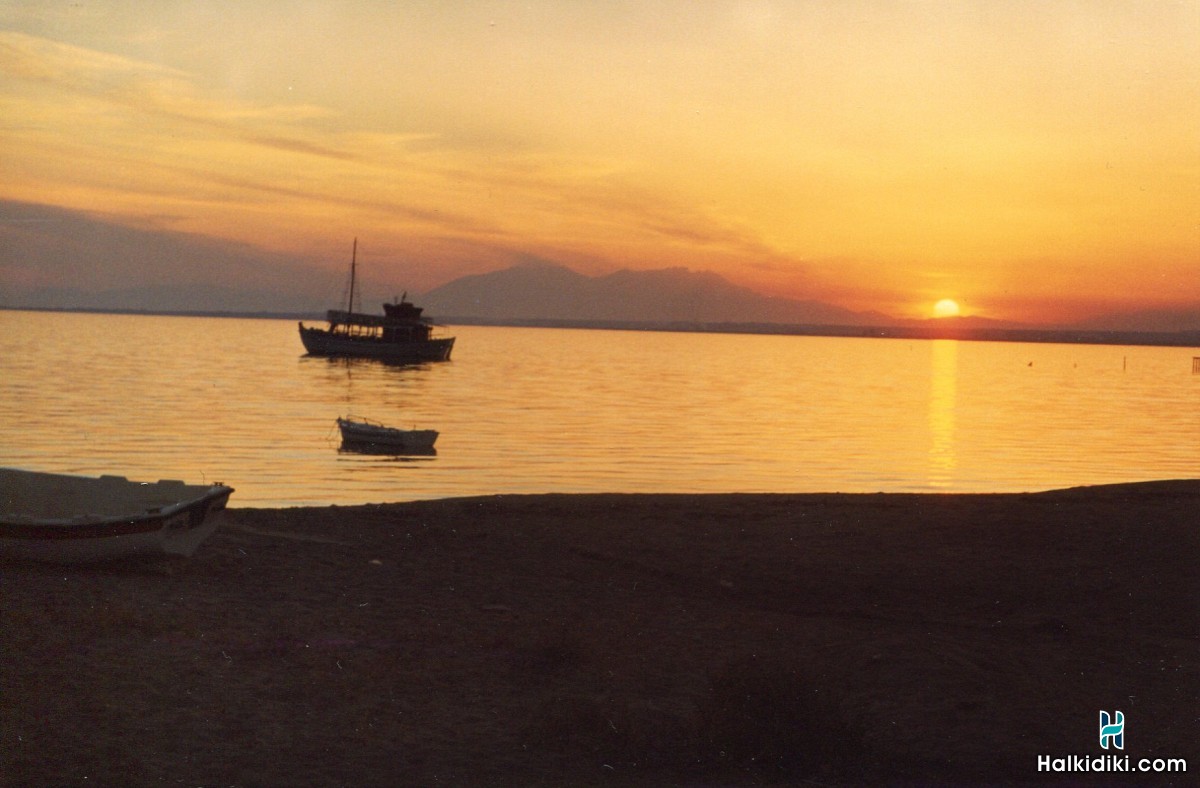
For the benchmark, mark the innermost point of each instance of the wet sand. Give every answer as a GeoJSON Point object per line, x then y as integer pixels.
{"type": "Point", "coordinates": [617, 640]}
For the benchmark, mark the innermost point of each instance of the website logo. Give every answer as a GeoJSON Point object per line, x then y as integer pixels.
{"type": "Point", "coordinates": [1112, 730]}
{"type": "Point", "coordinates": [1112, 734]}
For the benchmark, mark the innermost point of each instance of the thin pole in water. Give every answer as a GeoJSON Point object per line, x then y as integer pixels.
{"type": "Point", "coordinates": [353, 263]}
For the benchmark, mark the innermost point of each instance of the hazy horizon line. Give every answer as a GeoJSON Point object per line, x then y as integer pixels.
{"type": "Point", "coordinates": [926, 329]}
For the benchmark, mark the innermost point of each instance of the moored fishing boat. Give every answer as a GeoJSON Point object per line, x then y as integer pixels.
{"type": "Point", "coordinates": [81, 519]}
{"type": "Point", "coordinates": [400, 334]}
{"type": "Point", "coordinates": [370, 437]}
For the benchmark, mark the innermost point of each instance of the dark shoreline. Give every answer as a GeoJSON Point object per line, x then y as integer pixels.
{"type": "Point", "coordinates": [618, 640]}
{"type": "Point", "coordinates": [1057, 335]}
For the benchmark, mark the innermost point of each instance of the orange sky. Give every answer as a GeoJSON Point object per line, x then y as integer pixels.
{"type": "Point", "coordinates": [1034, 161]}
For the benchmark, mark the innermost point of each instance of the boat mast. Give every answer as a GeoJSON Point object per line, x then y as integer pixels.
{"type": "Point", "coordinates": [353, 263]}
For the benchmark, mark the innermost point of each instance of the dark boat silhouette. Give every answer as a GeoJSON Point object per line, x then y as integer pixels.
{"type": "Point", "coordinates": [400, 334]}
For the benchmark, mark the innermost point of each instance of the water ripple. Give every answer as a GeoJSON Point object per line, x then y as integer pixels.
{"type": "Point", "coordinates": [545, 410]}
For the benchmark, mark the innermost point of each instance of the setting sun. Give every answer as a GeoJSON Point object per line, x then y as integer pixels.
{"type": "Point", "coordinates": [947, 307]}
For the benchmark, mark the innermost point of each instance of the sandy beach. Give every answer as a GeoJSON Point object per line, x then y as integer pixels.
{"type": "Point", "coordinates": [618, 640]}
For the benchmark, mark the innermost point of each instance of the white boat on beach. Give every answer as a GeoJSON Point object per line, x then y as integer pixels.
{"type": "Point", "coordinates": [82, 519]}
{"type": "Point", "coordinates": [365, 436]}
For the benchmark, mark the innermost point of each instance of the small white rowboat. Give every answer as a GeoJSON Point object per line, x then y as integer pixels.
{"type": "Point", "coordinates": [82, 519]}
{"type": "Point", "coordinates": [363, 435]}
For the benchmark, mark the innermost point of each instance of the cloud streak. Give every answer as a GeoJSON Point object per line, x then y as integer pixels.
{"type": "Point", "coordinates": [149, 90]}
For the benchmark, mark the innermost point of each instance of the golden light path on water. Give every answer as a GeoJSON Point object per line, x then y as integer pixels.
{"type": "Point", "coordinates": [943, 382]}
{"type": "Point", "coordinates": [524, 410]}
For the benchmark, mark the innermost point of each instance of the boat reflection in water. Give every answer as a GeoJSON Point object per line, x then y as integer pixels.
{"type": "Point", "coordinates": [362, 436]}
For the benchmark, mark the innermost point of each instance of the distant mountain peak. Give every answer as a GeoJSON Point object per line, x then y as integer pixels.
{"type": "Point", "coordinates": [547, 291]}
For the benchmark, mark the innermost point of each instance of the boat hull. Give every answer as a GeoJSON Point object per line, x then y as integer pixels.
{"type": "Point", "coordinates": [368, 438]}
{"type": "Point", "coordinates": [72, 519]}
{"type": "Point", "coordinates": [321, 342]}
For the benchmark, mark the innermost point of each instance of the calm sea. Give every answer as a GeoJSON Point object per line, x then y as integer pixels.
{"type": "Point", "coordinates": [556, 410]}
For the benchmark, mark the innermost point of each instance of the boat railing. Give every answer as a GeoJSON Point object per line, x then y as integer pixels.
{"type": "Point", "coordinates": [341, 316]}
{"type": "Point", "coordinates": [352, 419]}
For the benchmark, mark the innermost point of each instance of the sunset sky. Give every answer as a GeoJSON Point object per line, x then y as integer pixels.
{"type": "Point", "coordinates": [1034, 161]}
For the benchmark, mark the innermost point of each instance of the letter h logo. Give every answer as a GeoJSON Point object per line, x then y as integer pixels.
{"type": "Point", "coordinates": [1112, 730]}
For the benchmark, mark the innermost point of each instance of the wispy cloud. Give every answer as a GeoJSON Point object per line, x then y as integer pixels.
{"type": "Point", "coordinates": [153, 90]}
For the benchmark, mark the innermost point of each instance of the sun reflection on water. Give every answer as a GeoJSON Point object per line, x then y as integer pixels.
{"type": "Point", "coordinates": [943, 396]}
